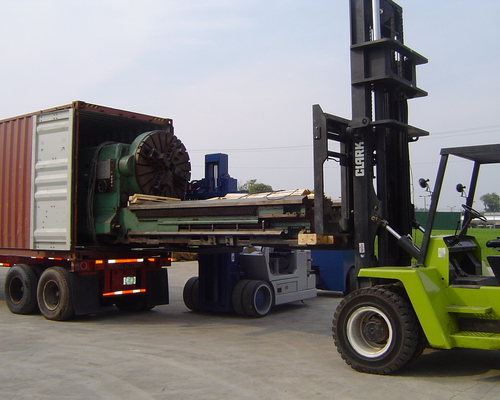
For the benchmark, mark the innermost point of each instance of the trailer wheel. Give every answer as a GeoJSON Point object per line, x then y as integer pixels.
{"type": "Point", "coordinates": [133, 303]}
{"type": "Point", "coordinates": [257, 298]}
{"type": "Point", "coordinates": [191, 294]}
{"type": "Point", "coordinates": [376, 330]}
{"type": "Point", "coordinates": [20, 289]}
{"type": "Point", "coordinates": [54, 294]}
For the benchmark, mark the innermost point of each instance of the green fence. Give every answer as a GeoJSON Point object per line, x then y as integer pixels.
{"type": "Point", "coordinates": [444, 220]}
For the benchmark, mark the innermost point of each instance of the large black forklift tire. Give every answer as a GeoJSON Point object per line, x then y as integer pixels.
{"type": "Point", "coordinates": [257, 298]}
{"type": "Point", "coordinates": [20, 289]}
{"type": "Point", "coordinates": [376, 330]}
{"type": "Point", "coordinates": [237, 296]}
{"type": "Point", "coordinates": [54, 294]}
{"type": "Point", "coordinates": [191, 294]}
{"type": "Point", "coordinates": [422, 340]}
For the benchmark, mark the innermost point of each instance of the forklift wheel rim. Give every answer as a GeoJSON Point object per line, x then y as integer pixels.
{"type": "Point", "coordinates": [263, 299]}
{"type": "Point", "coordinates": [369, 331]}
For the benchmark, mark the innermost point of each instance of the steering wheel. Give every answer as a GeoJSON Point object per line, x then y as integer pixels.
{"type": "Point", "coordinates": [474, 213]}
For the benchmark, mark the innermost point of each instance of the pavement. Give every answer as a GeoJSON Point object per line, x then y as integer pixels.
{"type": "Point", "coordinates": [171, 352]}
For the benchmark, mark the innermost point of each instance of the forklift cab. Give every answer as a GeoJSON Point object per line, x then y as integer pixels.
{"type": "Point", "coordinates": [464, 253]}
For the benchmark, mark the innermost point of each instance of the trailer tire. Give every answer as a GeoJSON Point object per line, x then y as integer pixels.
{"type": "Point", "coordinates": [238, 295]}
{"type": "Point", "coordinates": [191, 294]}
{"type": "Point", "coordinates": [257, 298]}
{"type": "Point", "coordinates": [20, 289]}
{"type": "Point", "coordinates": [376, 330]}
{"type": "Point", "coordinates": [55, 297]}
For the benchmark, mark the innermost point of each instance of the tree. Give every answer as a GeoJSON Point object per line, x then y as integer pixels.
{"type": "Point", "coordinates": [252, 186]}
{"type": "Point", "coordinates": [491, 202]}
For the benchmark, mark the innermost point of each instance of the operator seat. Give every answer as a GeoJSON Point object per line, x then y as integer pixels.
{"type": "Point", "coordinates": [494, 261]}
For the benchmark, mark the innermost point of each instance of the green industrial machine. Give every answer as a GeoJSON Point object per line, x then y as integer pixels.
{"type": "Point", "coordinates": [134, 199]}
{"type": "Point", "coordinates": [156, 164]}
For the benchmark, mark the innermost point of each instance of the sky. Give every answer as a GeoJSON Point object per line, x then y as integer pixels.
{"type": "Point", "coordinates": [240, 76]}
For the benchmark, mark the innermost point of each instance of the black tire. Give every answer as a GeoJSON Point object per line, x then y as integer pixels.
{"type": "Point", "coordinates": [54, 294]}
{"type": "Point", "coordinates": [237, 296]}
{"type": "Point", "coordinates": [257, 299]}
{"type": "Point", "coordinates": [20, 289]}
{"type": "Point", "coordinates": [351, 281]}
{"type": "Point", "coordinates": [422, 342]}
{"type": "Point", "coordinates": [191, 293]}
{"type": "Point", "coordinates": [132, 303]}
{"type": "Point", "coordinates": [376, 330]}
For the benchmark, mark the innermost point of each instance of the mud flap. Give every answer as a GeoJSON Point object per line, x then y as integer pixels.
{"type": "Point", "coordinates": [85, 291]}
{"type": "Point", "coordinates": [157, 288]}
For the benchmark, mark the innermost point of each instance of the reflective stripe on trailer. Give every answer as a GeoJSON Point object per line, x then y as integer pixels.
{"type": "Point", "coordinates": [126, 260]}
{"type": "Point", "coordinates": [121, 292]}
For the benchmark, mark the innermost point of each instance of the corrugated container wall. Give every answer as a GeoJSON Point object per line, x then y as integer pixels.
{"type": "Point", "coordinates": [15, 178]}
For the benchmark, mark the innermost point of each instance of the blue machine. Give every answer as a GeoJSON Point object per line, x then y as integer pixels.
{"type": "Point", "coordinates": [217, 182]}
{"type": "Point", "coordinates": [218, 274]}
{"type": "Point", "coordinates": [334, 269]}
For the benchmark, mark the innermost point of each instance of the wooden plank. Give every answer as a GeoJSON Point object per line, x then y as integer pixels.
{"type": "Point", "coordinates": [145, 198]}
{"type": "Point", "coordinates": [274, 195]}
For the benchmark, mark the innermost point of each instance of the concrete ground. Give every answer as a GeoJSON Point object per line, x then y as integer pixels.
{"type": "Point", "coordinates": [173, 353]}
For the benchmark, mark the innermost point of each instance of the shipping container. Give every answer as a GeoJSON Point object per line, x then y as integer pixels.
{"type": "Point", "coordinates": [39, 166]}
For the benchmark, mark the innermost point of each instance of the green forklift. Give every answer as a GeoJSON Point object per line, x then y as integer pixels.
{"type": "Point", "coordinates": [447, 298]}
{"type": "Point", "coordinates": [439, 294]}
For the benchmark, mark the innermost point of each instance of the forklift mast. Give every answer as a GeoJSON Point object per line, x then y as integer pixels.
{"type": "Point", "coordinates": [373, 147]}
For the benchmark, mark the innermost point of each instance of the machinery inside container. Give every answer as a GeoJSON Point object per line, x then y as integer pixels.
{"type": "Point", "coordinates": [117, 157]}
